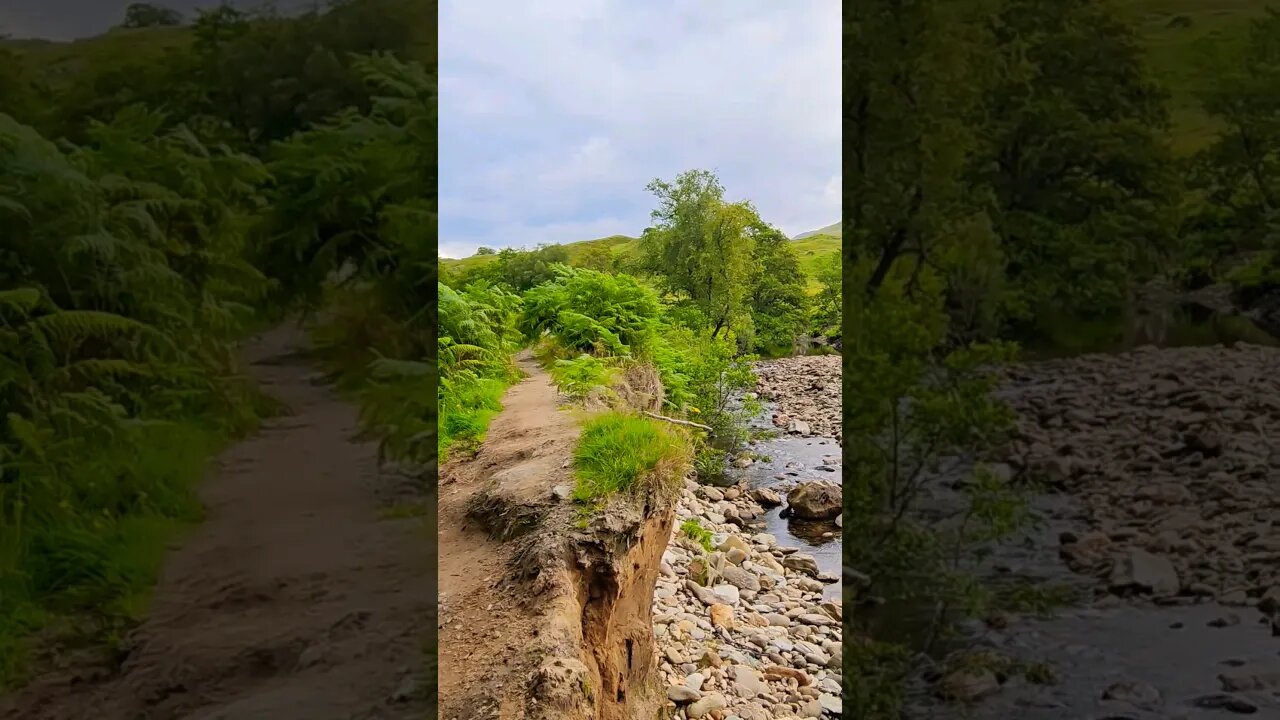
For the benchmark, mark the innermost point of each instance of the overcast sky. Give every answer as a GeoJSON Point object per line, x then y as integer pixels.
{"type": "Point", "coordinates": [555, 114]}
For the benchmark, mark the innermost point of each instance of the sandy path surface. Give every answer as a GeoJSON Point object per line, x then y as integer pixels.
{"type": "Point", "coordinates": [295, 599]}
{"type": "Point", "coordinates": [487, 627]}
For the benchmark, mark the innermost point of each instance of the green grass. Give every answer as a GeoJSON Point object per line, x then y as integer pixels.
{"type": "Point", "coordinates": [96, 554]}
{"type": "Point", "coordinates": [466, 416]}
{"type": "Point", "coordinates": [1175, 52]}
{"type": "Point", "coordinates": [693, 530]}
{"type": "Point", "coordinates": [617, 451]}
{"type": "Point", "coordinates": [810, 252]}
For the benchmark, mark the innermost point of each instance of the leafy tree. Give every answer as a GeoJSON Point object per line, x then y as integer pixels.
{"type": "Point", "coordinates": [486, 251]}
{"type": "Point", "coordinates": [1239, 174]}
{"type": "Point", "coordinates": [143, 15]}
{"type": "Point", "coordinates": [779, 305]}
{"type": "Point", "coordinates": [829, 303]}
{"type": "Point", "coordinates": [524, 269]}
{"type": "Point", "coordinates": [597, 258]}
{"type": "Point", "coordinates": [1074, 156]}
{"type": "Point", "coordinates": [913, 85]}
{"type": "Point", "coordinates": [700, 246]}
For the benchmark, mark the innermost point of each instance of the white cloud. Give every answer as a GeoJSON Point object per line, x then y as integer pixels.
{"type": "Point", "coordinates": [555, 114]}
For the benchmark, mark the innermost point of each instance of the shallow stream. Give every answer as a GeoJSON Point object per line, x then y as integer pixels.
{"type": "Point", "coordinates": [792, 459]}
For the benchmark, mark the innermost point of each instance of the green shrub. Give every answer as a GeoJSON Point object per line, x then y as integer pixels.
{"type": "Point", "coordinates": [693, 530]}
{"type": "Point", "coordinates": [592, 311]}
{"type": "Point", "coordinates": [582, 375]}
{"type": "Point", "coordinates": [618, 451]}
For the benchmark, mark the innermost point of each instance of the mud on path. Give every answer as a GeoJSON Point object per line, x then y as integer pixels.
{"type": "Point", "coordinates": [485, 627]}
{"type": "Point", "coordinates": [295, 599]}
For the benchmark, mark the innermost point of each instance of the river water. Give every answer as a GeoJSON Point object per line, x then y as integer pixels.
{"type": "Point", "coordinates": [790, 460]}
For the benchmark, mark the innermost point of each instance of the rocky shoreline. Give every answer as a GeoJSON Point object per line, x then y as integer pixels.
{"type": "Point", "coordinates": [806, 390]}
{"type": "Point", "coordinates": [742, 629]}
{"type": "Point", "coordinates": [1175, 457]}
{"type": "Point", "coordinates": [1163, 467]}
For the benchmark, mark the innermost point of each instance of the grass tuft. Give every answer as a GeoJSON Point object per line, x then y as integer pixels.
{"type": "Point", "coordinates": [618, 451]}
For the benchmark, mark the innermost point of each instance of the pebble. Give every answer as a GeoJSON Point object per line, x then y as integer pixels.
{"type": "Point", "coordinates": [763, 608]}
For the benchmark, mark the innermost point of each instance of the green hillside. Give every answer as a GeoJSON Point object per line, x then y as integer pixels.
{"type": "Point", "coordinates": [58, 62]}
{"type": "Point", "coordinates": [834, 229]}
{"type": "Point", "coordinates": [1177, 34]}
{"type": "Point", "coordinates": [810, 249]}
{"type": "Point", "coordinates": [616, 244]}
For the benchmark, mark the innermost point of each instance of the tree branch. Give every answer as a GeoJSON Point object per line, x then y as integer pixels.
{"type": "Point", "coordinates": [708, 428]}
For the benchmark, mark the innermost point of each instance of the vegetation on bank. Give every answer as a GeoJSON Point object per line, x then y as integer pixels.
{"type": "Point", "coordinates": [672, 331]}
{"type": "Point", "coordinates": [1013, 165]}
{"type": "Point", "coordinates": [159, 200]}
{"type": "Point", "coordinates": [618, 450]}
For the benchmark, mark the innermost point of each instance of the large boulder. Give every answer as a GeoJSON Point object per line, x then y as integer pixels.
{"type": "Point", "coordinates": [817, 500]}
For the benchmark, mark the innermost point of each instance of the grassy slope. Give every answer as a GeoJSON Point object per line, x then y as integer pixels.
{"type": "Point", "coordinates": [832, 229]}
{"type": "Point", "coordinates": [59, 60]}
{"type": "Point", "coordinates": [1175, 52]}
{"type": "Point", "coordinates": [809, 250]}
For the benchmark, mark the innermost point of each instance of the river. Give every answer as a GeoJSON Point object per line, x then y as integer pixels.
{"type": "Point", "coordinates": [792, 459]}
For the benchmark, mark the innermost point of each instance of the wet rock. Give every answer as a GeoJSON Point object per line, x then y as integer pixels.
{"type": "Point", "coordinates": [968, 685]}
{"type": "Point", "coordinates": [799, 427]}
{"type": "Point", "coordinates": [817, 500]}
{"type": "Point", "coordinates": [766, 497]}
{"type": "Point", "coordinates": [1137, 694]}
{"type": "Point", "coordinates": [802, 562]}
{"type": "Point", "coordinates": [1246, 680]}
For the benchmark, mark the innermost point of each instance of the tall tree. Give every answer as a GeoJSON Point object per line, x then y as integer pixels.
{"type": "Point", "coordinates": [779, 305]}
{"type": "Point", "coordinates": [1074, 154]}
{"type": "Point", "coordinates": [700, 245]}
{"type": "Point", "coordinates": [912, 87]}
{"type": "Point", "coordinates": [141, 15]}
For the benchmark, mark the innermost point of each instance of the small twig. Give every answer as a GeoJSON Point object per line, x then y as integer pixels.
{"type": "Point", "coordinates": [708, 428]}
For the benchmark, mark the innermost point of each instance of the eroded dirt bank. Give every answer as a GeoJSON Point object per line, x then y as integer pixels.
{"type": "Point", "coordinates": [295, 598]}
{"type": "Point", "coordinates": [544, 615]}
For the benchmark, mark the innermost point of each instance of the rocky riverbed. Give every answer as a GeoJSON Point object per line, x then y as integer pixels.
{"type": "Point", "coordinates": [1164, 466]}
{"type": "Point", "coordinates": [742, 626]}
{"type": "Point", "coordinates": [806, 390]}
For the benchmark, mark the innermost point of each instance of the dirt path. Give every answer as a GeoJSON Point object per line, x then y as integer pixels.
{"type": "Point", "coordinates": [485, 629]}
{"type": "Point", "coordinates": [293, 600]}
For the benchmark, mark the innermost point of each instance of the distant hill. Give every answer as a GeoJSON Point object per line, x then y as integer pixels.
{"type": "Point", "coordinates": [616, 244]}
{"type": "Point", "coordinates": [60, 61]}
{"type": "Point", "coordinates": [810, 249]}
{"type": "Point", "coordinates": [832, 229]}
